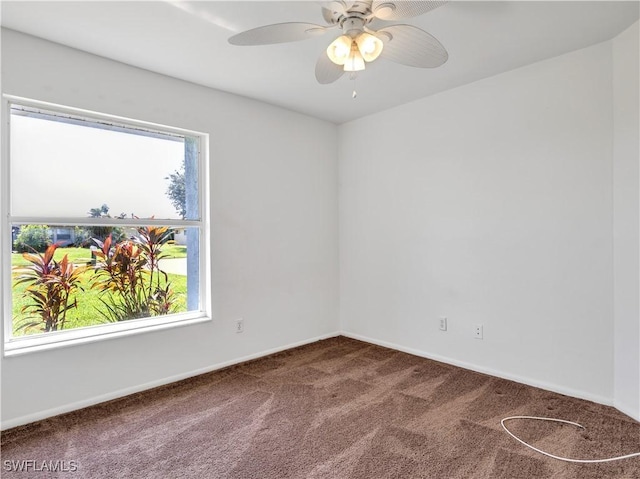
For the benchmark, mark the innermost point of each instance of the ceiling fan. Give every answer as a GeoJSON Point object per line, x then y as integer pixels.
{"type": "Point", "coordinates": [359, 44]}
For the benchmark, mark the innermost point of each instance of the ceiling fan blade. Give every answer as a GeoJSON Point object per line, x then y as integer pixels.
{"type": "Point", "coordinates": [329, 8]}
{"type": "Point", "coordinates": [327, 15]}
{"type": "Point", "coordinates": [411, 46]}
{"type": "Point", "coordinates": [332, 11]}
{"type": "Point", "coordinates": [326, 70]}
{"type": "Point", "coordinates": [277, 33]}
{"type": "Point", "coordinates": [396, 10]}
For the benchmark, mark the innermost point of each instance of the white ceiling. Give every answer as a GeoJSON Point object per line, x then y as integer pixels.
{"type": "Point", "coordinates": [188, 40]}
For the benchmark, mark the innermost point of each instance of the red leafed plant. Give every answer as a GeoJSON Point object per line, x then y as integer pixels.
{"type": "Point", "coordinates": [129, 278]}
{"type": "Point", "coordinates": [51, 288]}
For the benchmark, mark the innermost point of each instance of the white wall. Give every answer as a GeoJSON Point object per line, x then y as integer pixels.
{"type": "Point", "coordinates": [490, 204]}
{"type": "Point", "coordinates": [274, 217]}
{"type": "Point", "coordinates": [626, 176]}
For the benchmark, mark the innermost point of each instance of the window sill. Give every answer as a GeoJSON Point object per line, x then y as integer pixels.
{"type": "Point", "coordinates": [60, 339]}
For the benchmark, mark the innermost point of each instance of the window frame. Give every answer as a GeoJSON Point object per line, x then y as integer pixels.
{"type": "Point", "coordinates": [54, 339]}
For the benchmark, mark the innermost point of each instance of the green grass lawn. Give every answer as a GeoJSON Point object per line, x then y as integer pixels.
{"type": "Point", "coordinates": [86, 313]}
{"type": "Point", "coordinates": [76, 255]}
{"type": "Point", "coordinates": [83, 255]}
{"type": "Point", "coordinates": [174, 250]}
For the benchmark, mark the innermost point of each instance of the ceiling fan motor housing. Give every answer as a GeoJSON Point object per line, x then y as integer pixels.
{"type": "Point", "coordinates": [353, 26]}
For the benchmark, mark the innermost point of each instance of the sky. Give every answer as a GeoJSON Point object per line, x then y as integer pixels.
{"type": "Point", "coordinates": [63, 170]}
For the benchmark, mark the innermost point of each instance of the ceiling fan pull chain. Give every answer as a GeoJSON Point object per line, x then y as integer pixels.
{"type": "Point", "coordinates": [353, 76]}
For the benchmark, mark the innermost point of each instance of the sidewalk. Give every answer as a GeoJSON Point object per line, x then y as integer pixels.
{"type": "Point", "coordinates": [174, 266]}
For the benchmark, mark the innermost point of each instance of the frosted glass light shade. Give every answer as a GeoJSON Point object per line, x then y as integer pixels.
{"type": "Point", "coordinates": [339, 50]}
{"type": "Point", "coordinates": [370, 46]}
{"type": "Point", "coordinates": [355, 62]}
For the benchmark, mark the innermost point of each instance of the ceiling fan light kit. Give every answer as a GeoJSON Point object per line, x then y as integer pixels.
{"type": "Point", "coordinates": [351, 53]}
{"type": "Point", "coordinates": [358, 44]}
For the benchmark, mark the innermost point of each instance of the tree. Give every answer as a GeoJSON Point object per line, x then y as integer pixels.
{"type": "Point", "coordinates": [176, 191]}
{"type": "Point", "coordinates": [99, 212]}
{"type": "Point", "coordinates": [102, 232]}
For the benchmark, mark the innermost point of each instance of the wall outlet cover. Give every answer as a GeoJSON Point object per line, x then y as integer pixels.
{"type": "Point", "coordinates": [443, 323]}
{"type": "Point", "coordinates": [478, 331]}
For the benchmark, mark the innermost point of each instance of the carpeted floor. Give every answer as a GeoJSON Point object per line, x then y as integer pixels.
{"type": "Point", "coordinates": [338, 408]}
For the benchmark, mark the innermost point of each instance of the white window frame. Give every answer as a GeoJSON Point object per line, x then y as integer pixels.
{"type": "Point", "coordinates": [54, 339]}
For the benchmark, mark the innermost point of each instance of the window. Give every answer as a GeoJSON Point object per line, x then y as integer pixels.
{"type": "Point", "coordinates": [105, 230]}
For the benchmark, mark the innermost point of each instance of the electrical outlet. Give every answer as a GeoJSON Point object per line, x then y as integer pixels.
{"type": "Point", "coordinates": [443, 323]}
{"type": "Point", "coordinates": [239, 325]}
{"type": "Point", "coordinates": [478, 331]}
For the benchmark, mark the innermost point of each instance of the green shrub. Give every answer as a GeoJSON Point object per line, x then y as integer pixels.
{"type": "Point", "coordinates": [33, 237]}
{"type": "Point", "coordinates": [82, 237]}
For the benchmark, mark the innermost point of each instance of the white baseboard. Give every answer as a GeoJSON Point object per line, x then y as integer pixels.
{"type": "Point", "coordinates": [492, 372]}
{"type": "Point", "coordinates": [628, 410]}
{"type": "Point", "coordinates": [19, 421]}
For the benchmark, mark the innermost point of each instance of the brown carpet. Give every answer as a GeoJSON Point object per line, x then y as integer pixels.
{"type": "Point", "coordinates": [338, 408]}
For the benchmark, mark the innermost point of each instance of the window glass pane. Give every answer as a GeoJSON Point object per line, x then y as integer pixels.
{"type": "Point", "coordinates": [65, 169]}
{"type": "Point", "coordinates": [140, 272]}
{"type": "Point", "coordinates": [68, 275]}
